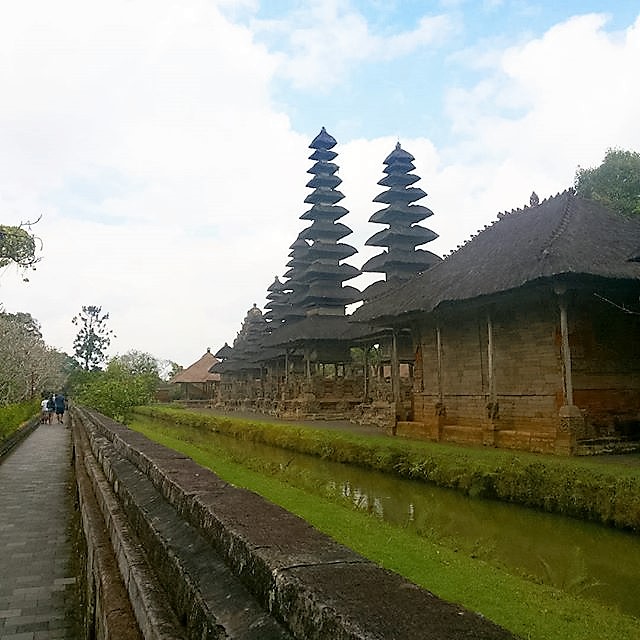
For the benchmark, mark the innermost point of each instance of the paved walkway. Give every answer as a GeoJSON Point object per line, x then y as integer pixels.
{"type": "Point", "coordinates": [37, 585]}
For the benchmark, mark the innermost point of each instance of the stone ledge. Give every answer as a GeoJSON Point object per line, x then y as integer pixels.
{"type": "Point", "coordinates": [183, 577]}
{"type": "Point", "coordinates": [153, 620]}
{"type": "Point", "coordinates": [316, 587]}
{"type": "Point", "coordinates": [7, 444]}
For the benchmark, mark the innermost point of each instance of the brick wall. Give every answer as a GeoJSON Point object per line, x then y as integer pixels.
{"type": "Point", "coordinates": [528, 379]}
{"type": "Point", "coordinates": [527, 375]}
{"type": "Point", "coordinates": [605, 350]}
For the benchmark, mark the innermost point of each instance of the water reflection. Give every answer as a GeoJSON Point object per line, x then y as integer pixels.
{"type": "Point", "coordinates": [579, 557]}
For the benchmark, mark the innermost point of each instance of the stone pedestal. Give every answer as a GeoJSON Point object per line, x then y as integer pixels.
{"type": "Point", "coordinates": [571, 423]}
{"type": "Point", "coordinates": [489, 434]}
{"type": "Point", "coordinates": [491, 426]}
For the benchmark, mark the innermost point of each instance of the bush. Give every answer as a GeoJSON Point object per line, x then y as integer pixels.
{"type": "Point", "coordinates": [114, 392]}
{"type": "Point", "coordinates": [13, 416]}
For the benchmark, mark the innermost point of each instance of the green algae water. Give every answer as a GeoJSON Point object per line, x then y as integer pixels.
{"type": "Point", "coordinates": [581, 558]}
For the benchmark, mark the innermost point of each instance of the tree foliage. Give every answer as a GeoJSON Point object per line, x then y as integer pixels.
{"type": "Point", "coordinates": [18, 246]}
{"type": "Point", "coordinates": [94, 337]}
{"type": "Point", "coordinates": [128, 381]}
{"type": "Point", "coordinates": [28, 367]}
{"type": "Point", "coordinates": [615, 183]}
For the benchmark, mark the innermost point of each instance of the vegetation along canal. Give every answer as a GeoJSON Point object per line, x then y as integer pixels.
{"type": "Point", "coordinates": [582, 558]}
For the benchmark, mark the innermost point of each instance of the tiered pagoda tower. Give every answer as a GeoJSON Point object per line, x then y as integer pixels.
{"type": "Point", "coordinates": [278, 303]}
{"type": "Point", "coordinates": [295, 287]}
{"type": "Point", "coordinates": [401, 260]}
{"type": "Point", "coordinates": [249, 340]}
{"type": "Point", "coordinates": [322, 292]}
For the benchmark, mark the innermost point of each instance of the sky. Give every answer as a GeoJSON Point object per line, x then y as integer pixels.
{"type": "Point", "coordinates": [162, 145]}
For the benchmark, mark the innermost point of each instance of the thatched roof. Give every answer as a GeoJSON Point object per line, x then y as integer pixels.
{"type": "Point", "coordinates": [224, 352]}
{"type": "Point", "coordinates": [559, 237]}
{"type": "Point", "coordinates": [198, 372]}
{"type": "Point", "coordinates": [317, 328]}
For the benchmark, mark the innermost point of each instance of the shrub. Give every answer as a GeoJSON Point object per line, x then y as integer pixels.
{"type": "Point", "coordinates": [13, 416]}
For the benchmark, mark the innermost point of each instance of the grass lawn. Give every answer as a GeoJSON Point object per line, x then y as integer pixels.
{"type": "Point", "coordinates": [530, 610]}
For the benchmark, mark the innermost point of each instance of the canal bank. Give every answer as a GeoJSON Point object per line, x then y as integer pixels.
{"type": "Point", "coordinates": [453, 573]}
{"type": "Point", "coordinates": [582, 488]}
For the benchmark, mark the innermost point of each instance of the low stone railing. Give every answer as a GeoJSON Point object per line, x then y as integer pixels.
{"type": "Point", "coordinates": [11, 441]}
{"type": "Point", "coordinates": [200, 558]}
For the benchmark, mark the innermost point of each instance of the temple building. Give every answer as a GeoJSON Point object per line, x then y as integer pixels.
{"type": "Point", "coordinates": [305, 353]}
{"type": "Point", "coordinates": [401, 260]}
{"type": "Point", "coordinates": [324, 274]}
{"type": "Point", "coordinates": [393, 348]}
{"type": "Point", "coordinates": [196, 382]}
{"type": "Point", "coordinates": [528, 336]}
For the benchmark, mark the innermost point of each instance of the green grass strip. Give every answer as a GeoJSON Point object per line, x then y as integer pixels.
{"type": "Point", "coordinates": [13, 416]}
{"type": "Point", "coordinates": [530, 610]}
{"type": "Point", "coordinates": [577, 487]}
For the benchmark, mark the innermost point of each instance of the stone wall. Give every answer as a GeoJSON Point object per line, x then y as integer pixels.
{"type": "Point", "coordinates": [202, 559]}
{"type": "Point", "coordinates": [510, 391]}
{"type": "Point", "coordinates": [605, 353]}
{"type": "Point", "coordinates": [514, 403]}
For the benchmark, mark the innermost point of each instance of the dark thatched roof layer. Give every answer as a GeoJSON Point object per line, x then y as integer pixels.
{"type": "Point", "coordinates": [562, 236]}
{"type": "Point", "coordinates": [319, 328]}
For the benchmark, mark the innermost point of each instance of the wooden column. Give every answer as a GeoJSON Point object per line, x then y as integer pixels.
{"type": "Point", "coordinates": [440, 408]}
{"type": "Point", "coordinates": [488, 433]}
{"type": "Point", "coordinates": [439, 357]}
{"type": "Point", "coordinates": [365, 359]}
{"type": "Point", "coordinates": [395, 377]}
{"type": "Point", "coordinates": [307, 359]}
{"type": "Point", "coordinates": [490, 354]}
{"type": "Point", "coordinates": [566, 353]}
{"type": "Point", "coordinates": [571, 420]}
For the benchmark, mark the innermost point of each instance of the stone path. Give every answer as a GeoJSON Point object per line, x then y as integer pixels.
{"type": "Point", "coordinates": [37, 586]}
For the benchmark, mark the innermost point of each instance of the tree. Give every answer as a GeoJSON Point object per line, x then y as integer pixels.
{"type": "Point", "coordinates": [615, 183]}
{"type": "Point", "coordinates": [128, 381]}
{"type": "Point", "coordinates": [138, 363]}
{"type": "Point", "coordinates": [18, 246]}
{"type": "Point", "coordinates": [28, 367]}
{"type": "Point", "coordinates": [170, 369]}
{"type": "Point", "coordinates": [94, 337]}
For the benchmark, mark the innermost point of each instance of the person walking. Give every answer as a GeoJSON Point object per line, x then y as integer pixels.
{"type": "Point", "coordinates": [44, 410]}
{"type": "Point", "coordinates": [51, 406]}
{"type": "Point", "coordinates": [59, 404]}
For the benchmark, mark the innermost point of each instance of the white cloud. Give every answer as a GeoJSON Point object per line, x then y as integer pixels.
{"type": "Point", "coordinates": [144, 134]}
{"type": "Point", "coordinates": [543, 108]}
{"type": "Point", "coordinates": [327, 40]}
{"type": "Point", "coordinates": [171, 186]}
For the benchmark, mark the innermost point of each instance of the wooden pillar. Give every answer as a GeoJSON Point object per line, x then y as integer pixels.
{"type": "Point", "coordinates": [571, 420]}
{"type": "Point", "coordinates": [490, 353]}
{"type": "Point", "coordinates": [488, 433]}
{"type": "Point", "coordinates": [439, 364]}
{"type": "Point", "coordinates": [365, 359]}
{"type": "Point", "coordinates": [566, 353]}
{"type": "Point", "coordinates": [440, 408]}
{"type": "Point", "coordinates": [395, 378]}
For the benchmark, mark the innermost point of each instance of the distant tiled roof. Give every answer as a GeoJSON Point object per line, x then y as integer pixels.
{"type": "Point", "coordinates": [563, 235]}
{"type": "Point", "coordinates": [198, 372]}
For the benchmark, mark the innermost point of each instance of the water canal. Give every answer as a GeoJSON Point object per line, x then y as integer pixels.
{"type": "Point", "coordinates": [582, 558]}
